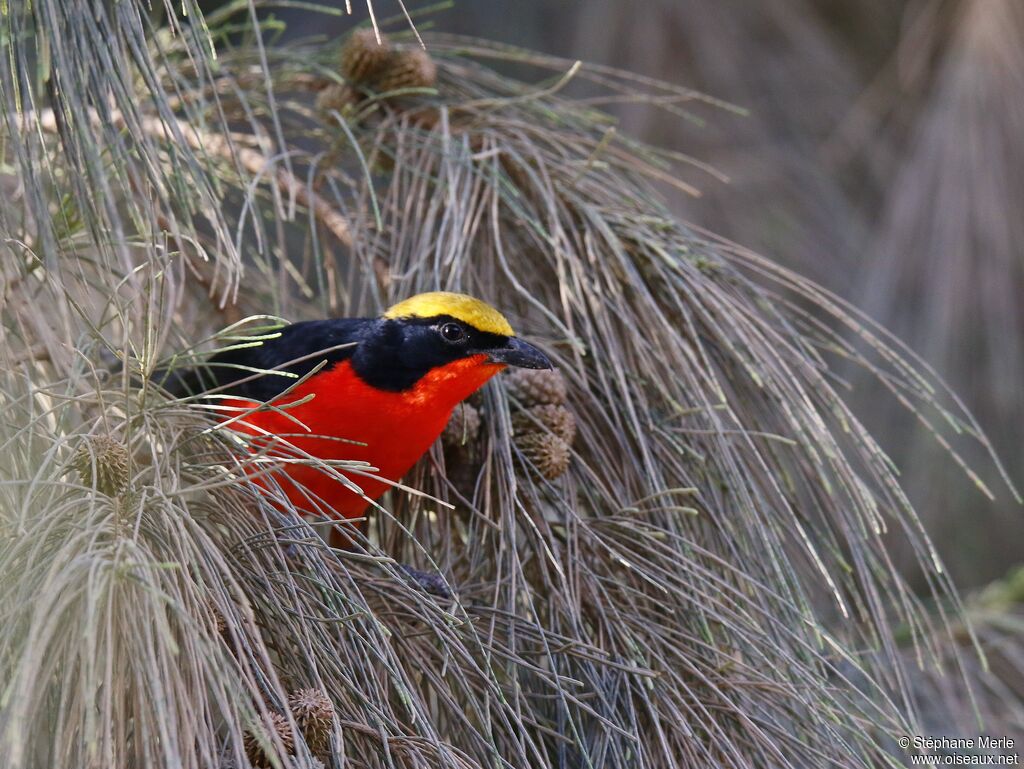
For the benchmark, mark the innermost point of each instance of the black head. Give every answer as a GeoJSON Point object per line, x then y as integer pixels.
{"type": "Point", "coordinates": [392, 352]}
{"type": "Point", "coordinates": [395, 353]}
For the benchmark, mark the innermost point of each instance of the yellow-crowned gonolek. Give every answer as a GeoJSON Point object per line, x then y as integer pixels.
{"type": "Point", "coordinates": [385, 394]}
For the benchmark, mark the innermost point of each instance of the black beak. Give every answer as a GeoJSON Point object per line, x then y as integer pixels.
{"type": "Point", "coordinates": [518, 353]}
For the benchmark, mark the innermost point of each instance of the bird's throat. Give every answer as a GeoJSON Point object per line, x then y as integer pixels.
{"type": "Point", "coordinates": [444, 387]}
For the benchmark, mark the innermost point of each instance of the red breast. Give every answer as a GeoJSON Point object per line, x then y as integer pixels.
{"type": "Point", "coordinates": [347, 419]}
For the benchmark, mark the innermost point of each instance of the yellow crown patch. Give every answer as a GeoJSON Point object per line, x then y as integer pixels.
{"type": "Point", "coordinates": [477, 314]}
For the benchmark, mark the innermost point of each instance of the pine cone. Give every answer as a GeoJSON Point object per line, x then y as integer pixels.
{"type": "Point", "coordinates": [408, 68]}
{"type": "Point", "coordinates": [556, 419]}
{"type": "Point", "coordinates": [257, 744]}
{"type": "Point", "coordinates": [219, 623]}
{"type": "Point", "coordinates": [534, 387]}
{"type": "Point", "coordinates": [363, 58]}
{"type": "Point", "coordinates": [313, 711]}
{"type": "Point", "coordinates": [103, 462]}
{"type": "Point", "coordinates": [336, 97]}
{"type": "Point", "coordinates": [546, 452]}
{"type": "Point", "coordinates": [463, 428]}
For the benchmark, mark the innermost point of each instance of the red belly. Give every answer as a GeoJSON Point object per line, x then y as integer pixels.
{"type": "Point", "coordinates": [346, 419]}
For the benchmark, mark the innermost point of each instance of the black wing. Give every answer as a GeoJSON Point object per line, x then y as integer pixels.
{"type": "Point", "coordinates": [307, 344]}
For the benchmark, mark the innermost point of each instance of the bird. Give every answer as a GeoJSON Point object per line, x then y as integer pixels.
{"type": "Point", "coordinates": [377, 390]}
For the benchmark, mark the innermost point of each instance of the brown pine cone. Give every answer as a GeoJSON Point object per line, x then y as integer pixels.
{"type": "Point", "coordinates": [533, 387]}
{"type": "Point", "coordinates": [548, 453]}
{"type": "Point", "coordinates": [256, 744]}
{"type": "Point", "coordinates": [408, 68]}
{"type": "Point", "coordinates": [219, 623]}
{"type": "Point", "coordinates": [463, 428]}
{"type": "Point", "coordinates": [313, 711]}
{"type": "Point", "coordinates": [336, 97]}
{"type": "Point", "coordinates": [556, 419]}
{"type": "Point", "coordinates": [363, 58]}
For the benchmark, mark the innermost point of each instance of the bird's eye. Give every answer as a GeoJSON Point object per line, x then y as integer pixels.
{"type": "Point", "coordinates": [453, 332]}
